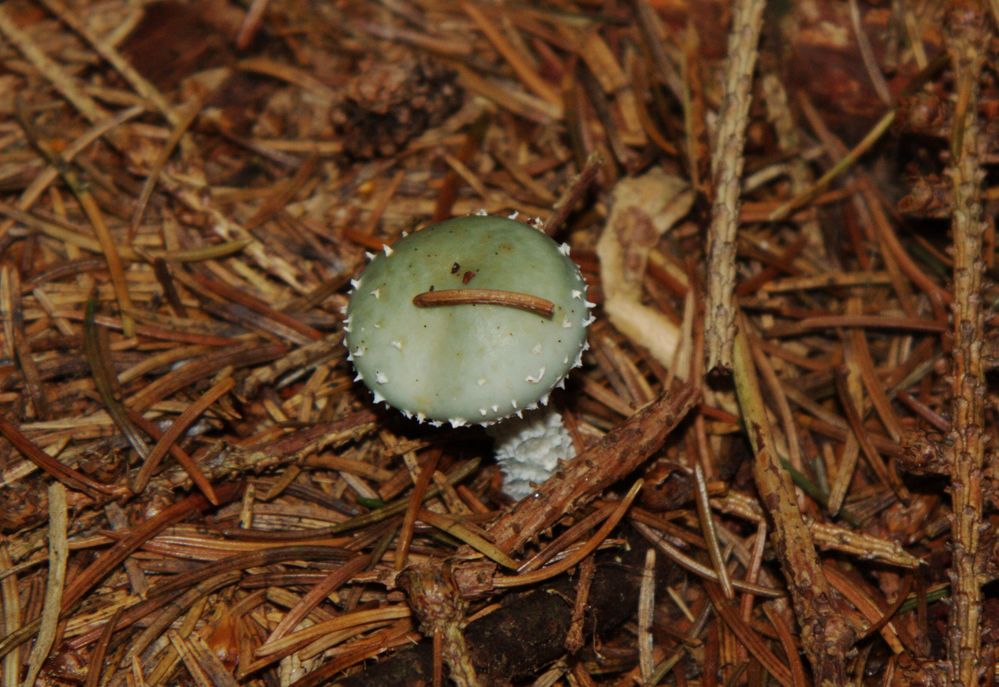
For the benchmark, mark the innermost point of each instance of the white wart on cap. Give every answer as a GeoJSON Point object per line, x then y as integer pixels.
{"type": "Point", "coordinates": [470, 363]}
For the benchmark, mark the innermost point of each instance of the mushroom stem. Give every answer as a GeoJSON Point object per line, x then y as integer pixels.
{"type": "Point", "coordinates": [528, 449]}
{"type": "Point", "coordinates": [510, 299]}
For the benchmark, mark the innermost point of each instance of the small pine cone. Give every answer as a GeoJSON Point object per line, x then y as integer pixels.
{"type": "Point", "coordinates": [391, 101]}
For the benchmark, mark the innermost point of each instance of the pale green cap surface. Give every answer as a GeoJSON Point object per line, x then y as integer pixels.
{"type": "Point", "coordinates": [466, 363]}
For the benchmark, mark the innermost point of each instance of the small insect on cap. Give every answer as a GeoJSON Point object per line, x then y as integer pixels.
{"type": "Point", "coordinates": [499, 319]}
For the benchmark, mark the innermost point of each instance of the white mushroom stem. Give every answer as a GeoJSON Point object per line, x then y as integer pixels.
{"type": "Point", "coordinates": [528, 449]}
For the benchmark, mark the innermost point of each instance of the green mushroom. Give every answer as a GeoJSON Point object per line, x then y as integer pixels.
{"type": "Point", "coordinates": [472, 320]}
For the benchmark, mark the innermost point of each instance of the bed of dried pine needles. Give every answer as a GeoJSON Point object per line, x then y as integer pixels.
{"type": "Point", "coordinates": [785, 428]}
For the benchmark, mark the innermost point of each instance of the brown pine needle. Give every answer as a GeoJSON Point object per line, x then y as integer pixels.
{"type": "Point", "coordinates": [58, 557]}
{"type": "Point", "coordinates": [190, 466]}
{"type": "Point", "coordinates": [579, 554]}
{"type": "Point", "coordinates": [95, 668]}
{"type": "Point", "coordinates": [179, 426]}
{"type": "Point", "coordinates": [95, 350]}
{"type": "Point", "coordinates": [839, 168]}
{"type": "Point", "coordinates": [696, 568]}
{"type": "Point", "coordinates": [748, 636]}
{"type": "Point", "coordinates": [860, 433]}
{"type": "Point", "coordinates": [520, 66]}
{"type": "Point", "coordinates": [180, 128]}
{"type": "Point", "coordinates": [454, 527]}
{"type": "Point", "coordinates": [416, 497]}
{"type": "Point", "coordinates": [67, 475]}
{"type": "Point", "coordinates": [510, 299]}
{"type": "Point", "coordinates": [90, 208]}
{"type": "Point", "coordinates": [346, 620]}
{"type": "Point", "coordinates": [708, 528]}
{"type": "Point", "coordinates": [335, 579]}
{"type": "Point", "coordinates": [867, 606]}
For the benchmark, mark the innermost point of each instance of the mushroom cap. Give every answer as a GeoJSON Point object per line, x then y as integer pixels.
{"type": "Point", "coordinates": [473, 363]}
